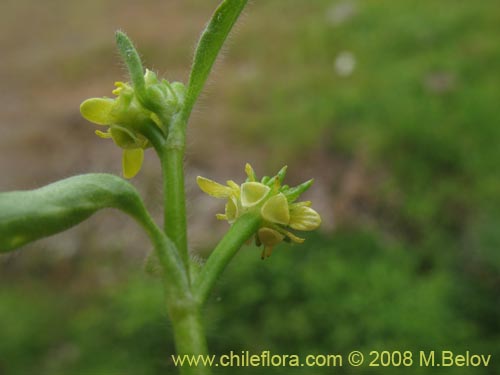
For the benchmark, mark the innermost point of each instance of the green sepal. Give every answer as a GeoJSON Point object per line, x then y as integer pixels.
{"type": "Point", "coordinates": [265, 180]}
{"type": "Point", "coordinates": [134, 65]}
{"type": "Point", "coordinates": [293, 193]}
{"type": "Point", "coordinates": [26, 216]}
{"type": "Point", "coordinates": [281, 174]}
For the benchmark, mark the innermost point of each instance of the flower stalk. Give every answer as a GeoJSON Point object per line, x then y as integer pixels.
{"type": "Point", "coordinates": [238, 234]}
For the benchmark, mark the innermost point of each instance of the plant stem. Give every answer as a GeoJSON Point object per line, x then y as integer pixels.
{"type": "Point", "coordinates": [239, 232]}
{"type": "Point", "coordinates": [183, 310]}
{"type": "Point", "coordinates": [171, 154]}
{"type": "Point", "coordinates": [172, 163]}
{"type": "Point", "coordinates": [176, 279]}
{"type": "Point", "coordinates": [190, 338]}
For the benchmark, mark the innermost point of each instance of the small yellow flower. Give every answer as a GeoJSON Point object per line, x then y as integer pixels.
{"type": "Point", "coordinates": [274, 202]}
{"type": "Point", "coordinates": [125, 117]}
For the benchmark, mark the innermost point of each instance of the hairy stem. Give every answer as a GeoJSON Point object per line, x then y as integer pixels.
{"type": "Point", "coordinates": [190, 338]}
{"type": "Point", "coordinates": [171, 154]}
{"type": "Point", "coordinates": [183, 310]}
{"type": "Point", "coordinates": [172, 163]}
{"type": "Point", "coordinates": [239, 232]}
{"type": "Point", "coordinates": [176, 278]}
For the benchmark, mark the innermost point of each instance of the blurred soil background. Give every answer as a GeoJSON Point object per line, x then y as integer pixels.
{"type": "Point", "coordinates": [392, 106]}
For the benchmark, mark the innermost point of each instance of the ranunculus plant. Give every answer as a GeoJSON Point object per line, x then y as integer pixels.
{"type": "Point", "coordinates": [152, 112]}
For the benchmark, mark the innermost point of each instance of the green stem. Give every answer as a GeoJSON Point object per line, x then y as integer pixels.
{"type": "Point", "coordinates": [176, 278]}
{"type": "Point", "coordinates": [183, 310]}
{"type": "Point", "coordinates": [244, 227]}
{"type": "Point", "coordinates": [190, 338]}
{"type": "Point", "coordinates": [171, 154]}
{"type": "Point", "coordinates": [172, 163]}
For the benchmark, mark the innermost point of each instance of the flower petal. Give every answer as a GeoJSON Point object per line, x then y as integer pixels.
{"type": "Point", "coordinates": [213, 188]}
{"type": "Point", "coordinates": [105, 135]}
{"type": "Point", "coordinates": [252, 193]}
{"type": "Point", "coordinates": [235, 187]}
{"type": "Point", "coordinates": [276, 210]}
{"type": "Point", "coordinates": [232, 210]}
{"type": "Point", "coordinates": [250, 173]}
{"type": "Point", "coordinates": [269, 237]}
{"type": "Point", "coordinates": [97, 110]}
{"type": "Point", "coordinates": [132, 161]}
{"type": "Point", "coordinates": [290, 235]}
{"type": "Point", "coordinates": [298, 204]}
{"type": "Point", "coordinates": [303, 217]}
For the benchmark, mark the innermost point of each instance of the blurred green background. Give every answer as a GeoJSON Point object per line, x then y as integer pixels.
{"type": "Point", "coordinates": [392, 106]}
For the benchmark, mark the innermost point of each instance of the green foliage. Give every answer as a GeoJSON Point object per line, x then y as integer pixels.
{"type": "Point", "coordinates": [209, 46]}
{"type": "Point", "coordinates": [26, 216]}
{"type": "Point", "coordinates": [122, 330]}
{"type": "Point", "coordinates": [352, 291]}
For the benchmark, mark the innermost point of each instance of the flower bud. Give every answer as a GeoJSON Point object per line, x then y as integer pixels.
{"type": "Point", "coordinates": [127, 118]}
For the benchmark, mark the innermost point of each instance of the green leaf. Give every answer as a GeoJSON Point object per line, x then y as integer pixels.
{"type": "Point", "coordinates": [26, 216]}
{"type": "Point", "coordinates": [208, 48]}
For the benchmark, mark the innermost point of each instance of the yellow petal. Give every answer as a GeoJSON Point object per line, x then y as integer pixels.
{"type": "Point", "coordinates": [266, 253]}
{"type": "Point", "coordinates": [213, 188]}
{"type": "Point", "coordinates": [269, 237]}
{"type": "Point", "coordinates": [97, 110]}
{"type": "Point", "coordinates": [276, 210]}
{"type": "Point", "coordinates": [232, 211]}
{"type": "Point", "coordinates": [298, 204]}
{"type": "Point", "coordinates": [252, 193]}
{"type": "Point", "coordinates": [303, 217]}
{"type": "Point", "coordinates": [105, 135]}
{"type": "Point", "coordinates": [132, 161]}
{"type": "Point", "coordinates": [235, 187]}
{"type": "Point", "coordinates": [290, 235]}
{"type": "Point", "coordinates": [250, 172]}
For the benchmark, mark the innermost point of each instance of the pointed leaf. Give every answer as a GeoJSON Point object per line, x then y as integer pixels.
{"type": "Point", "coordinates": [208, 48]}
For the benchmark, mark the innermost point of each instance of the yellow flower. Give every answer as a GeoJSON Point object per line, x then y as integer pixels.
{"type": "Point", "coordinates": [274, 203]}
{"type": "Point", "coordinates": [125, 117]}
